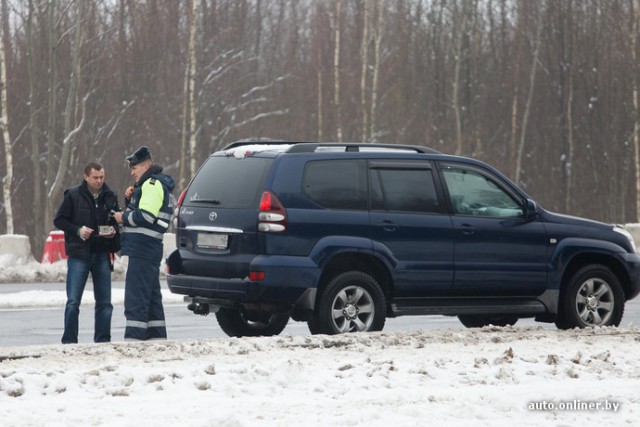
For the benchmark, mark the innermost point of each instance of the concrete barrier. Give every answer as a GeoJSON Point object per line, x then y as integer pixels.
{"type": "Point", "coordinates": [15, 249]}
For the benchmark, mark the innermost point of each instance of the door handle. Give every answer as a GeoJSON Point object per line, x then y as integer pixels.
{"type": "Point", "coordinates": [389, 226]}
{"type": "Point", "coordinates": [467, 229]}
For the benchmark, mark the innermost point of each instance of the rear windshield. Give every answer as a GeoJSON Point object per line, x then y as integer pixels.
{"type": "Point", "coordinates": [228, 182]}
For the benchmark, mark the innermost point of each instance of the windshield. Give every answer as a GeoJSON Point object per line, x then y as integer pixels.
{"type": "Point", "coordinates": [228, 182]}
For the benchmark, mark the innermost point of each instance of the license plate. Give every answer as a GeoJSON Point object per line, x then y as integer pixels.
{"type": "Point", "coordinates": [212, 241]}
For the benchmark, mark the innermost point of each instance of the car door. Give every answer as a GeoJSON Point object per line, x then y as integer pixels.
{"type": "Point", "coordinates": [497, 251]}
{"type": "Point", "coordinates": [410, 227]}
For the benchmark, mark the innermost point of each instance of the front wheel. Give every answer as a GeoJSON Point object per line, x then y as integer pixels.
{"type": "Point", "coordinates": [235, 323]}
{"type": "Point", "coordinates": [592, 297]}
{"type": "Point", "coordinates": [351, 302]}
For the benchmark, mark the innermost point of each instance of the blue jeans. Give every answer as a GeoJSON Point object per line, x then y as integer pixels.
{"type": "Point", "coordinates": [78, 271]}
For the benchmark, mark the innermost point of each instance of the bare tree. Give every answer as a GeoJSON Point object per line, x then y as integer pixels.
{"type": "Point", "coordinates": [635, 17]}
{"type": "Point", "coordinates": [7, 180]}
{"type": "Point", "coordinates": [405, 70]}
{"type": "Point", "coordinates": [377, 65]}
{"type": "Point", "coordinates": [364, 58]}
{"type": "Point", "coordinates": [512, 147]}
{"type": "Point", "coordinates": [531, 89]}
{"type": "Point", "coordinates": [53, 110]}
{"type": "Point", "coordinates": [336, 70]}
{"type": "Point", "coordinates": [38, 225]}
{"type": "Point", "coordinates": [56, 187]}
{"type": "Point", "coordinates": [319, 53]}
{"type": "Point", "coordinates": [565, 33]}
{"type": "Point", "coordinates": [459, 33]}
{"type": "Point", "coordinates": [188, 102]}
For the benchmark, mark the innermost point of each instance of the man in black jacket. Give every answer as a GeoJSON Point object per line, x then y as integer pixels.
{"type": "Point", "coordinates": [90, 236]}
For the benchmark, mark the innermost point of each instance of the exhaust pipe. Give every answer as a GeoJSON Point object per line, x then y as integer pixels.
{"type": "Point", "coordinates": [198, 308]}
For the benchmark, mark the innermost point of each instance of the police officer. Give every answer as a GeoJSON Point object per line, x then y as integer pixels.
{"type": "Point", "coordinates": [147, 216]}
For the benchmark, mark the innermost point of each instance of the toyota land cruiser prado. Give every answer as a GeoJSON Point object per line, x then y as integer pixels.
{"type": "Point", "coordinates": [342, 236]}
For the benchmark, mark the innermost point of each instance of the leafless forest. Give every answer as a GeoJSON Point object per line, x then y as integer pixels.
{"type": "Point", "coordinates": [545, 90]}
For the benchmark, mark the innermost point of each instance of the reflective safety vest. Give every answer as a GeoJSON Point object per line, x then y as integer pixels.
{"type": "Point", "coordinates": [148, 215]}
{"type": "Point", "coordinates": [150, 209]}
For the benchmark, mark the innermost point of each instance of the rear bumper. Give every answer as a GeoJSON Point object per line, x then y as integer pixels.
{"type": "Point", "coordinates": [211, 287]}
{"type": "Point", "coordinates": [287, 279]}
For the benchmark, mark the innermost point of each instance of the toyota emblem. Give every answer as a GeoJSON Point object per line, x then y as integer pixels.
{"type": "Point", "coordinates": [213, 216]}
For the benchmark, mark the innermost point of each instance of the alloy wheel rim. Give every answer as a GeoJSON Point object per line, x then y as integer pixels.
{"type": "Point", "coordinates": [595, 302]}
{"type": "Point", "coordinates": [352, 310]}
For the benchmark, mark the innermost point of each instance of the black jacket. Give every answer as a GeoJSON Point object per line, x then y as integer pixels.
{"type": "Point", "coordinates": [79, 209]}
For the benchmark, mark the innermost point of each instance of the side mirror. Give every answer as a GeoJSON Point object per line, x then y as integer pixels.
{"type": "Point", "coordinates": [531, 210]}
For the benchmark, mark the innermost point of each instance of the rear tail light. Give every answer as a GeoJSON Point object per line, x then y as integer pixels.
{"type": "Point", "coordinates": [273, 216]}
{"type": "Point", "coordinates": [176, 211]}
{"type": "Point", "coordinates": [256, 276]}
{"type": "Point", "coordinates": [181, 198]}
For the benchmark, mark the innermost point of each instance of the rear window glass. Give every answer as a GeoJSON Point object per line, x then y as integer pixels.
{"type": "Point", "coordinates": [229, 182]}
{"type": "Point", "coordinates": [337, 184]}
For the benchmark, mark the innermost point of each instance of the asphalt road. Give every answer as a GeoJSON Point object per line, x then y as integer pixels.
{"type": "Point", "coordinates": [37, 326]}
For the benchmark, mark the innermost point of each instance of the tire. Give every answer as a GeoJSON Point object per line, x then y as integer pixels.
{"type": "Point", "coordinates": [480, 320]}
{"type": "Point", "coordinates": [592, 297]}
{"type": "Point", "coordinates": [234, 323]}
{"type": "Point", "coordinates": [351, 302]}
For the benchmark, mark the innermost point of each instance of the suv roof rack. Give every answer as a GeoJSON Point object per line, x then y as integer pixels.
{"type": "Point", "coordinates": [310, 147]}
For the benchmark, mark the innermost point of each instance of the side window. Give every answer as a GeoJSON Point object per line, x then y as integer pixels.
{"type": "Point", "coordinates": [337, 184]}
{"type": "Point", "coordinates": [404, 190]}
{"type": "Point", "coordinates": [475, 194]}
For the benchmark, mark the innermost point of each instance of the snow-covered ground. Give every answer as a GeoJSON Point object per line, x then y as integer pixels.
{"type": "Point", "coordinates": [492, 376]}
{"type": "Point", "coordinates": [525, 376]}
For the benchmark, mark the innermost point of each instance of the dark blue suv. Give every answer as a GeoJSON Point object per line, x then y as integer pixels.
{"type": "Point", "coordinates": [343, 236]}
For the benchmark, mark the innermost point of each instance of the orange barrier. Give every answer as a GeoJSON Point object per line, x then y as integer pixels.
{"type": "Point", "coordinates": [54, 248]}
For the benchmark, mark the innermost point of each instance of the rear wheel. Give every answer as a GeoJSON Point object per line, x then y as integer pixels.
{"type": "Point", "coordinates": [592, 297]}
{"type": "Point", "coordinates": [480, 320]}
{"type": "Point", "coordinates": [235, 323]}
{"type": "Point", "coordinates": [351, 302]}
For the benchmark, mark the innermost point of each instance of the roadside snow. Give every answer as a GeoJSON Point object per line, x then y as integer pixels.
{"type": "Point", "coordinates": [491, 376]}
{"type": "Point", "coordinates": [52, 299]}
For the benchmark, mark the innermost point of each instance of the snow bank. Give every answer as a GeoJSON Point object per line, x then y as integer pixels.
{"type": "Point", "coordinates": [17, 265]}
{"type": "Point", "coordinates": [491, 376]}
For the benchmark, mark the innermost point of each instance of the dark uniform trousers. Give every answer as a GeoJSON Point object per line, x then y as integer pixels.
{"type": "Point", "coordinates": [143, 301]}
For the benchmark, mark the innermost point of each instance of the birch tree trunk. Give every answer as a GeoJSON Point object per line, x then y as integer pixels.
{"type": "Point", "coordinates": [455, 101]}
{"type": "Point", "coordinates": [375, 79]}
{"type": "Point", "coordinates": [512, 148]}
{"type": "Point", "coordinates": [364, 54]}
{"type": "Point", "coordinates": [38, 226]}
{"type": "Point", "coordinates": [567, 116]}
{"type": "Point", "coordinates": [188, 104]}
{"type": "Point", "coordinates": [532, 85]}
{"type": "Point", "coordinates": [192, 90]}
{"type": "Point", "coordinates": [53, 112]}
{"type": "Point", "coordinates": [336, 72]}
{"type": "Point", "coordinates": [319, 95]}
{"type": "Point", "coordinates": [635, 16]}
{"type": "Point", "coordinates": [56, 187]}
{"type": "Point", "coordinates": [7, 179]}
